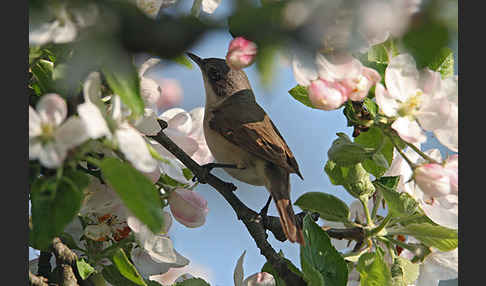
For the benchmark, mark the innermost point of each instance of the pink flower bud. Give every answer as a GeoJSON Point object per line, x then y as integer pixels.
{"type": "Point", "coordinates": [434, 179]}
{"type": "Point", "coordinates": [241, 53]}
{"type": "Point", "coordinates": [327, 95]}
{"type": "Point", "coordinates": [188, 207]}
{"type": "Point", "coordinates": [260, 279]}
{"type": "Point", "coordinates": [171, 94]}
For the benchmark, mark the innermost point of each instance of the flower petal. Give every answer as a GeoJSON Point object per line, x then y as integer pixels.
{"type": "Point", "coordinates": [71, 133]}
{"type": "Point", "coordinates": [52, 108]}
{"type": "Point", "coordinates": [94, 121]}
{"type": "Point", "coordinates": [304, 67]}
{"type": "Point", "coordinates": [409, 130]}
{"type": "Point", "coordinates": [51, 155]}
{"type": "Point", "coordinates": [134, 147]}
{"type": "Point", "coordinates": [34, 123]}
{"type": "Point", "coordinates": [173, 169]}
{"type": "Point", "coordinates": [388, 105]}
{"type": "Point", "coordinates": [402, 77]}
{"type": "Point", "coordinates": [149, 125]}
{"type": "Point", "coordinates": [92, 89]}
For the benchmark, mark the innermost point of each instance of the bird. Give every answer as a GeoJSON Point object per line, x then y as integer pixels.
{"type": "Point", "coordinates": [244, 140]}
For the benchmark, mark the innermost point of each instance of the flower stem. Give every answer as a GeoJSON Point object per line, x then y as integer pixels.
{"type": "Point", "coordinates": [422, 154]}
{"type": "Point", "coordinates": [382, 225]}
{"type": "Point", "coordinates": [364, 202]}
{"type": "Point", "coordinates": [410, 163]}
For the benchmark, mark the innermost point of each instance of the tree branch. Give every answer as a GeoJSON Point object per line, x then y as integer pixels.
{"type": "Point", "coordinates": [66, 262]}
{"type": "Point", "coordinates": [254, 222]}
{"type": "Point", "coordinates": [37, 280]}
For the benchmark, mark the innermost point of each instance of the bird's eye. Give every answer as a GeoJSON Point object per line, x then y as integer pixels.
{"type": "Point", "coordinates": [214, 74]}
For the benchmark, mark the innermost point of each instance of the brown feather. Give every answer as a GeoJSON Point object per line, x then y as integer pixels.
{"type": "Point", "coordinates": [252, 130]}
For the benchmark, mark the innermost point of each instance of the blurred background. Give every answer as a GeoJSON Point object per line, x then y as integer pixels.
{"type": "Point", "coordinates": [214, 248]}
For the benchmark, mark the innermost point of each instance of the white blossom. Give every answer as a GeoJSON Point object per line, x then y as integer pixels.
{"type": "Point", "coordinates": [50, 135]}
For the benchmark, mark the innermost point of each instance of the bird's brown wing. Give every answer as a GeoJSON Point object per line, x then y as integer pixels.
{"type": "Point", "coordinates": [252, 130]}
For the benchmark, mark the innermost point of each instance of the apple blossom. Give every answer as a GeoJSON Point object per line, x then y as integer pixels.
{"type": "Point", "coordinates": [410, 97]}
{"type": "Point", "coordinates": [188, 207]}
{"type": "Point", "coordinates": [437, 180]}
{"type": "Point", "coordinates": [148, 266]}
{"type": "Point", "coordinates": [100, 121]}
{"type": "Point", "coordinates": [50, 135]}
{"type": "Point", "coordinates": [332, 84]}
{"type": "Point", "coordinates": [436, 266]}
{"type": "Point", "coordinates": [241, 53]}
{"type": "Point", "coordinates": [443, 209]}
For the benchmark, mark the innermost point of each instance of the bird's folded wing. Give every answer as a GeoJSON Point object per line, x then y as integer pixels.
{"type": "Point", "coordinates": [252, 130]}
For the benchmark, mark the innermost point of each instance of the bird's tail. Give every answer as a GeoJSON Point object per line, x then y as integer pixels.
{"type": "Point", "coordinates": [277, 183]}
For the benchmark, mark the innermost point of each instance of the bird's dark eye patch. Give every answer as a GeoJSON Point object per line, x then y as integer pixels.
{"type": "Point", "coordinates": [214, 74]}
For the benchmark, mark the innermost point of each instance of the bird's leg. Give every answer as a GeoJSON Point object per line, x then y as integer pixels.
{"type": "Point", "coordinates": [206, 168]}
{"type": "Point", "coordinates": [264, 210]}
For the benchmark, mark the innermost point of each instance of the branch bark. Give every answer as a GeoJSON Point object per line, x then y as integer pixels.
{"type": "Point", "coordinates": [37, 280]}
{"type": "Point", "coordinates": [254, 222]}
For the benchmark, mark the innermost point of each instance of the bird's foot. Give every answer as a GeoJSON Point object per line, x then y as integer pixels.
{"type": "Point", "coordinates": [264, 210]}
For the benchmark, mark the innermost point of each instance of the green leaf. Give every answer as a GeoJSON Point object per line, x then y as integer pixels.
{"type": "Point", "coordinates": [126, 268]}
{"type": "Point", "coordinates": [113, 276]}
{"type": "Point", "coordinates": [311, 274]}
{"type": "Point", "coordinates": [399, 204]}
{"type": "Point", "coordinates": [35, 52]}
{"type": "Point", "coordinates": [337, 174]}
{"type": "Point", "coordinates": [371, 106]}
{"type": "Point", "coordinates": [328, 206]}
{"type": "Point", "coordinates": [374, 138]}
{"type": "Point", "coordinates": [54, 205]}
{"type": "Point", "coordinates": [424, 40]}
{"type": "Point", "coordinates": [443, 62]}
{"type": "Point", "coordinates": [318, 256]}
{"type": "Point", "coordinates": [442, 238]}
{"type": "Point", "coordinates": [344, 152]}
{"type": "Point", "coordinates": [267, 267]}
{"type": "Point", "coordinates": [192, 282]}
{"type": "Point", "coordinates": [404, 272]}
{"type": "Point", "coordinates": [183, 61]}
{"type": "Point", "coordinates": [136, 191]}
{"type": "Point", "coordinates": [42, 71]}
{"type": "Point", "coordinates": [84, 269]}
{"type": "Point", "coordinates": [381, 53]}
{"type": "Point", "coordinates": [390, 182]}
{"type": "Point", "coordinates": [123, 79]}
{"type": "Point", "coordinates": [299, 92]}
{"type": "Point", "coordinates": [373, 270]}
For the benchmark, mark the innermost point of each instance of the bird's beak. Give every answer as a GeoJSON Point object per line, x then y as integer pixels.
{"type": "Point", "coordinates": [196, 59]}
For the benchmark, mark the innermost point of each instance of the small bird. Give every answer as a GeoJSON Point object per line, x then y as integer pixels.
{"type": "Point", "coordinates": [244, 140]}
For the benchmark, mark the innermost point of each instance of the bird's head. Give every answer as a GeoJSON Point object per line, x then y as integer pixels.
{"type": "Point", "coordinates": [220, 81]}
